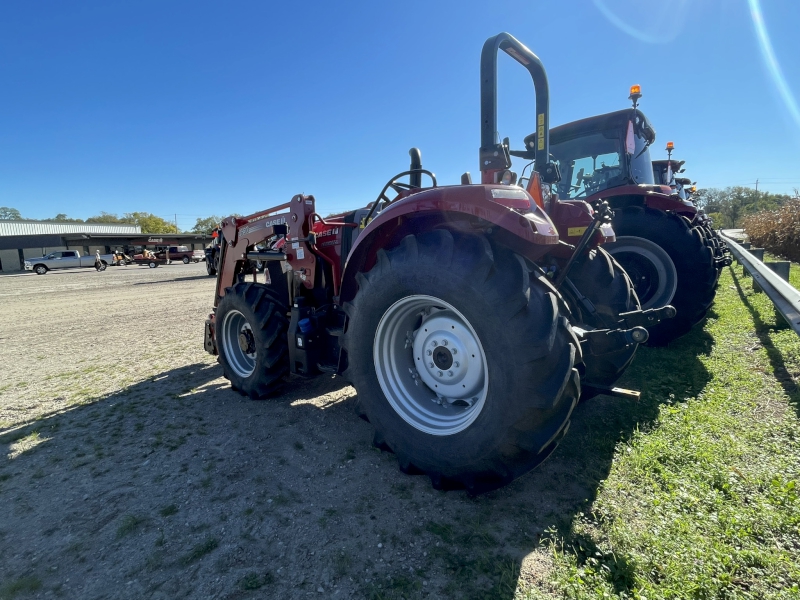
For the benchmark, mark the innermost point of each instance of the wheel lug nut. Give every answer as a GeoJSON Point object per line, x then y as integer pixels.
{"type": "Point", "coordinates": [454, 351]}
{"type": "Point", "coordinates": [449, 373]}
{"type": "Point", "coordinates": [430, 364]}
{"type": "Point", "coordinates": [440, 373]}
{"type": "Point", "coordinates": [429, 352]}
{"type": "Point", "coordinates": [434, 343]}
{"type": "Point", "coordinates": [444, 342]}
{"type": "Point", "coordinates": [456, 364]}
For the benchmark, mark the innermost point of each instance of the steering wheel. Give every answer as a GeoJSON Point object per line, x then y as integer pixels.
{"type": "Point", "coordinates": [399, 187]}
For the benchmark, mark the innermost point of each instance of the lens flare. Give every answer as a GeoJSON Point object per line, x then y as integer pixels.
{"type": "Point", "coordinates": [650, 21]}
{"type": "Point", "coordinates": [772, 62]}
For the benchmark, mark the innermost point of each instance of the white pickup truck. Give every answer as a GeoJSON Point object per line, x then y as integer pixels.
{"type": "Point", "coordinates": [64, 259]}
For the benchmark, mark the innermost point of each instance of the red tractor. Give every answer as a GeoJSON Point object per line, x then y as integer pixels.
{"type": "Point", "coordinates": [658, 243]}
{"type": "Point", "coordinates": [464, 320]}
{"type": "Point", "coordinates": [664, 173]}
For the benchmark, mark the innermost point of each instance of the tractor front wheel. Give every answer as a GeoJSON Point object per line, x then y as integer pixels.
{"type": "Point", "coordinates": [252, 339]}
{"type": "Point", "coordinates": [461, 360]}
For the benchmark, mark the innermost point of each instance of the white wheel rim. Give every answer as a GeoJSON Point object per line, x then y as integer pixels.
{"type": "Point", "coordinates": [241, 353]}
{"type": "Point", "coordinates": [431, 365]}
{"type": "Point", "coordinates": [628, 248]}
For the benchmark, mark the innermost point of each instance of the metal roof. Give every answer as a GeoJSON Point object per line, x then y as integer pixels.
{"type": "Point", "coordinates": [58, 227]}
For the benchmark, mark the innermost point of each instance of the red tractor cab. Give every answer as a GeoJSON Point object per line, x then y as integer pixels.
{"type": "Point", "coordinates": [658, 239]}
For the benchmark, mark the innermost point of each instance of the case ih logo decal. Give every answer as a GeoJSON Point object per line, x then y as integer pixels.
{"type": "Point", "coordinates": [262, 225]}
{"type": "Point", "coordinates": [154, 240]}
{"type": "Point", "coordinates": [327, 232]}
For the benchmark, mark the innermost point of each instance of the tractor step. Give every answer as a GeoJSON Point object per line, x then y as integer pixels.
{"type": "Point", "coordinates": [616, 392]}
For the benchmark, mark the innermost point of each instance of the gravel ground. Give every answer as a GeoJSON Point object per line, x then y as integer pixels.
{"type": "Point", "coordinates": [129, 468]}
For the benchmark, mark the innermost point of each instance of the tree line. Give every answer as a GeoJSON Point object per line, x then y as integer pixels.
{"type": "Point", "coordinates": [728, 207]}
{"type": "Point", "coordinates": [149, 223]}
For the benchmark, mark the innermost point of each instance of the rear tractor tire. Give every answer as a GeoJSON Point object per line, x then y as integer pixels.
{"type": "Point", "coordinates": [462, 361]}
{"type": "Point", "coordinates": [604, 282]}
{"type": "Point", "coordinates": [252, 339]}
{"type": "Point", "coordinates": [668, 263]}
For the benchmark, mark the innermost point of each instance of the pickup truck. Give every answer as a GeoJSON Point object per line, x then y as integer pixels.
{"type": "Point", "coordinates": [182, 253]}
{"type": "Point", "coordinates": [64, 259]}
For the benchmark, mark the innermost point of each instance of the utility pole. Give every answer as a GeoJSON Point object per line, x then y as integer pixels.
{"type": "Point", "coordinates": [176, 216]}
{"type": "Point", "coordinates": [756, 187]}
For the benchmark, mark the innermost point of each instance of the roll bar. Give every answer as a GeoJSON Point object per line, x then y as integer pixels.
{"type": "Point", "coordinates": [494, 156]}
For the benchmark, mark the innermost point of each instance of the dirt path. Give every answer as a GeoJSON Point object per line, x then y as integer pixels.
{"type": "Point", "coordinates": [130, 470]}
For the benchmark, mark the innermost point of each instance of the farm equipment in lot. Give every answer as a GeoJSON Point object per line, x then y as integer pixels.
{"type": "Point", "coordinates": [443, 306]}
{"type": "Point", "coordinates": [664, 173]}
{"type": "Point", "coordinates": [661, 242]}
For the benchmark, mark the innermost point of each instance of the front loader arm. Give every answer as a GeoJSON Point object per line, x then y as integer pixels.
{"type": "Point", "coordinates": [240, 234]}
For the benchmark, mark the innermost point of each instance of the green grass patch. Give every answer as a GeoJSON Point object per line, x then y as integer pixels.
{"type": "Point", "coordinates": [702, 499]}
{"type": "Point", "coordinates": [254, 581]}
{"type": "Point", "coordinates": [21, 585]}
{"type": "Point", "coordinates": [200, 550]}
{"type": "Point", "coordinates": [168, 510]}
{"type": "Point", "coordinates": [129, 524]}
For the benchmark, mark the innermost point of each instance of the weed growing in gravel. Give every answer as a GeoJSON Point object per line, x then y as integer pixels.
{"type": "Point", "coordinates": [254, 581]}
{"type": "Point", "coordinates": [342, 563]}
{"type": "Point", "coordinates": [168, 510]}
{"type": "Point", "coordinates": [200, 550]}
{"type": "Point", "coordinates": [396, 587]}
{"type": "Point", "coordinates": [28, 583]}
{"type": "Point", "coordinates": [129, 524]}
{"type": "Point", "coordinates": [281, 500]}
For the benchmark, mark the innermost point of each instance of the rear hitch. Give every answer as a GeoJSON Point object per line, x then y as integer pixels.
{"type": "Point", "coordinates": [603, 341]}
{"type": "Point", "coordinates": [646, 318]}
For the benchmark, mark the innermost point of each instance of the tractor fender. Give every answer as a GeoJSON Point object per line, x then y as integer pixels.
{"type": "Point", "coordinates": [573, 217]}
{"type": "Point", "coordinates": [657, 197]}
{"type": "Point", "coordinates": [530, 233]}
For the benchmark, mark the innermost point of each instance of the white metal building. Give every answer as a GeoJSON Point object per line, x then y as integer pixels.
{"type": "Point", "coordinates": [27, 239]}
{"type": "Point", "coordinates": [57, 227]}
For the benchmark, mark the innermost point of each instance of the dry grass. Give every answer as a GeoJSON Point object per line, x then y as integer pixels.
{"type": "Point", "coordinates": [776, 230]}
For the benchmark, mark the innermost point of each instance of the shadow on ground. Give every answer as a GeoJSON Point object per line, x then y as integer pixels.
{"type": "Point", "coordinates": [177, 486]}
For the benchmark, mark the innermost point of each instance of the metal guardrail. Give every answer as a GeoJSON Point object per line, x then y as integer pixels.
{"type": "Point", "coordinates": [785, 298]}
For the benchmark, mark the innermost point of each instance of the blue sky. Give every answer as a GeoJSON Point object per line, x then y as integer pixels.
{"type": "Point", "coordinates": [198, 108]}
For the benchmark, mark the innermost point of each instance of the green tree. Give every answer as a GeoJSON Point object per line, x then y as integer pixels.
{"type": "Point", "coordinates": [149, 223]}
{"type": "Point", "coordinates": [9, 214]}
{"type": "Point", "coordinates": [62, 218]}
{"type": "Point", "coordinates": [206, 225]}
{"type": "Point", "coordinates": [105, 217]}
{"type": "Point", "coordinates": [733, 203]}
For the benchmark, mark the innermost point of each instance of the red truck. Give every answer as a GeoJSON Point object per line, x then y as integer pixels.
{"type": "Point", "coordinates": [182, 253]}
